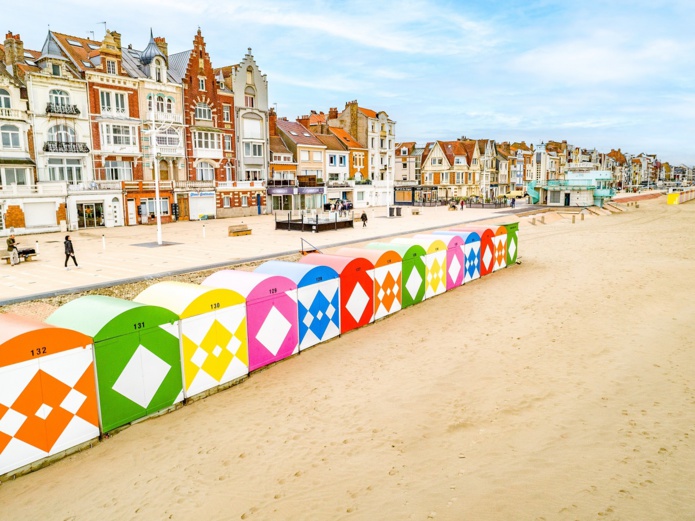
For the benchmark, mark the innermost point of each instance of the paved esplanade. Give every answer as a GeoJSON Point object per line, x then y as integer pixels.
{"type": "Point", "coordinates": [109, 256]}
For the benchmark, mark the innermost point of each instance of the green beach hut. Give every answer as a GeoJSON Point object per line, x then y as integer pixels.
{"type": "Point", "coordinates": [137, 355]}
{"type": "Point", "coordinates": [512, 241]}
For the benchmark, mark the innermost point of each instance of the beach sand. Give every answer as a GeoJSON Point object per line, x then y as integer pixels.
{"type": "Point", "coordinates": [559, 389]}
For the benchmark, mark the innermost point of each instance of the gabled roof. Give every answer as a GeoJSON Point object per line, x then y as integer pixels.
{"type": "Point", "coordinates": [408, 145]}
{"type": "Point", "coordinates": [345, 137]}
{"type": "Point", "coordinates": [367, 112]}
{"type": "Point", "coordinates": [331, 142]}
{"type": "Point", "coordinates": [177, 65]}
{"type": "Point", "coordinates": [452, 149]}
{"type": "Point", "coordinates": [277, 146]}
{"type": "Point", "coordinates": [298, 133]}
{"type": "Point", "coordinates": [81, 51]}
{"type": "Point", "coordinates": [617, 156]}
{"type": "Point", "coordinates": [469, 145]}
{"type": "Point", "coordinates": [426, 151]}
{"type": "Point", "coordinates": [51, 49]}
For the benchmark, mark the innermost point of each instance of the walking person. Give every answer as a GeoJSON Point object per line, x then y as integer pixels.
{"type": "Point", "coordinates": [69, 252]}
{"type": "Point", "coordinates": [364, 219]}
{"type": "Point", "coordinates": [12, 250]}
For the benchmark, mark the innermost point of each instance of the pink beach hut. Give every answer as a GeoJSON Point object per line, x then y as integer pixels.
{"type": "Point", "coordinates": [356, 287]}
{"type": "Point", "coordinates": [48, 396]}
{"type": "Point", "coordinates": [271, 313]}
{"type": "Point", "coordinates": [454, 258]}
{"type": "Point", "coordinates": [487, 246]}
{"type": "Point", "coordinates": [471, 252]}
{"type": "Point", "coordinates": [387, 278]}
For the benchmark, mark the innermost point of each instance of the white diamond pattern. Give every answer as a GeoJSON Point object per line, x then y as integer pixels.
{"type": "Point", "coordinates": [44, 411]}
{"type": "Point", "coordinates": [414, 283]}
{"type": "Point", "coordinates": [454, 268]}
{"type": "Point", "coordinates": [487, 257]}
{"type": "Point", "coordinates": [512, 248]}
{"type": "Point", "coordinates": [11, 422]}
{"type": "Point", "coordinates": [142, 376]}
{"type": "Point", "coordinates": [274, 330]}
{"type": "Point", "coordinates": [199, 357]}
{"type": "Point", "coordinates": [357, 302]}
{"type": "Point", "coordinates": [73, 401]}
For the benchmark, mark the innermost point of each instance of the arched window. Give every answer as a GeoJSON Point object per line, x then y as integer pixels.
{"type": "Point", "coordinates": [9, 135]}
{"type": "Point", "coordinates": [4, 99]}
{"type": "Point", "coordinates": [202, 111]}
{"type": "Point", "coordinates": [205, 172]}
{"type": "Point", "coordinates": [61, 133]}
{"type": "Point", "coordinates": [160, 103]}
{"type": "Point", "coordinates": [250, 97]}
{"type": "Point", "coordinates": [249, 75]}
{"type": "Point", "coordinates": [149, 103]}
{"type": "Point", "coordinates": [59, 97]}
{"type": "Point", "coordinates": [158, 70]}
{"type": "Point", "coordinates": [168, 138]}
{"type": "Point", "coordinates": [170, 105]}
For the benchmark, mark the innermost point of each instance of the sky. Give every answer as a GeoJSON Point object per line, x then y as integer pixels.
{"type": "Point", "coordinates": [599, 74]}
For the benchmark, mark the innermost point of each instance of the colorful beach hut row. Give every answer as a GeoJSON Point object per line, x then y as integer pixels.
{"type": "Point", "coordinates": [100, 363]}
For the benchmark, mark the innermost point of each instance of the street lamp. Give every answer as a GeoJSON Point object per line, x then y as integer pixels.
{"type": "Point", "coordinates": [154, 130]}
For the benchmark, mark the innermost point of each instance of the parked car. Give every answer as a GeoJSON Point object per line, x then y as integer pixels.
{"type": "Point", "coordinates": [347, 205]}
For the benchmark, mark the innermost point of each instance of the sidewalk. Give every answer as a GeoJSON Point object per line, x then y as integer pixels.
{"type": "Point", "coordinates": [110, 256]}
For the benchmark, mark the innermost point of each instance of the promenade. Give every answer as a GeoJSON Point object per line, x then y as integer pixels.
{"type": "Point", "coordinates": [109, 256]}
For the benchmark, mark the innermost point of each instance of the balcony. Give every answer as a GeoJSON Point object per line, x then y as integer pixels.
{"type": "Point", "coordinates": [114, 113]}
{"type": "Point", "coordinates": [65, 147]}
{"type": "Point", "coordinates": [282, 182]}
{"type": "Point", "coordinates": [240, 184]}
{"type": "Point", "coordinates": [146, 186]}
{"type": "Point", "coordinates": [63, 110]}
{"type": "Point", "coordinates": [166, 117]}
{"type": "Point", "coordinates": [12, 114]}
{"type": "Point", "coordinates": [208, 153]}
{"type": "Point", "coordinates": [169, 151]}
{"type": "Point", "coordinates": [341, 184]}
{"type": "Point", "coordinates": [309, 180]}
{"type": "Point", "coordinates": [199, 186]}
{"type": "Point", "coordinates": [120, 149]}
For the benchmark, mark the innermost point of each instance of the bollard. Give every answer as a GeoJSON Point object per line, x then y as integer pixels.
{"type": "Point", "coordinates": [636, 205]}
{"type": "Point", "coordinates": [36, 246]}
{"type": "Point", "coordinates": [533, 221]}
{"type": "Point", "coordinates": [203, 231]}
{"type": "Point", "coordinates": [103, 242]}
{"type": "Point", "coordinates": [542, 219]}
{"type": "Point", "coordinates": [582, 216]}
{"type": "Point", "coordinates": [573, 218]}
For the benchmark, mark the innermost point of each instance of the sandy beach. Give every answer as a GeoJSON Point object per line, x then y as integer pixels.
{"type": "Point", "coordinates": [561, 388]}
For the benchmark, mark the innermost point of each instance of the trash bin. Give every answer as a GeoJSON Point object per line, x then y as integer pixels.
{"type": "Point", "coordinates": [398, 211]}
{"type": "Point", "coordinates": [391, 211]}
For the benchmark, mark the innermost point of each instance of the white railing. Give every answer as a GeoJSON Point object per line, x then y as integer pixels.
{"type": "Point", "coordinates": [114, 113]}
{"type": "Point", "coordinates": [240, 184]}
{"type": "Point", "coordinates": [12, 114]}
{"type": "Point", "coordinates": [120, 149]}
{"type": "Point", "coordinates": [195, 185]}
{"type": "Point", "coordinates": [169, 151]}
{"type": "Point", "coordinates": [132, 186]}
{"type": "Point", "coordinates": [168, 117]}
{"type": "Point", "coordinates": [209, 153]}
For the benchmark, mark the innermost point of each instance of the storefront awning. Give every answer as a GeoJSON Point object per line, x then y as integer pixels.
{"type": "Point", "coordinates": [7, 161]}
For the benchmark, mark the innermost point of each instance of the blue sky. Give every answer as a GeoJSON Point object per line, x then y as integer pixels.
{"type": "Point", "coordinates": [603, 74]}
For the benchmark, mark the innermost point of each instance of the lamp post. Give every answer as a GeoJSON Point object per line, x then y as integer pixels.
{"type": "Point", "coordinates": [154, 130]}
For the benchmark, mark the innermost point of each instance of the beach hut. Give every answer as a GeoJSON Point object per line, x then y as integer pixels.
{"type": "Point", "coordinates": [500, 242]}
{"type": "Point", "coordinates": [413, 270]}
{"type": "Point", "coordinates": [356, 287]}
{"type": "Point", "coordinates": [48, 400]}
{"type": "Point", "coordinates": [318, 299]}
{"type": "Point", "coordinates": [136, 351]}
{"type": "Point", "coordinates": [435, 260]}
{"type": "Point", "coordinates": [454, 258]}
{"type": "Point", "coordinates": [387, 278]}
{"type": "Point", "coordinates": [471, 252]}
{"type": "Point", "coordinates": [512, 241]}
{"type": "Point", "coordinates": [211, 331]}
{"type": "Point", "coordinates": [271, 313]}
{"type": "Point", "coordinates": [487, 246]}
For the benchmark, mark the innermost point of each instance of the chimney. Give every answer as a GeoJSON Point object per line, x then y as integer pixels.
{"type": "Point", "coordinates": [303, 121]}
{"type": "Point", "coordinates": [333, 113]}
{"type": "Point", "coordinates": [162, 44]}
{"type": "Point", "coordinates": [272, 122]}
{"type": "Point", "coordinates": [14, 49]}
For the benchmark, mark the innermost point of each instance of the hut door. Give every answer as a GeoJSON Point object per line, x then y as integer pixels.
{"type": "Point", "coordinates": [567, 199]}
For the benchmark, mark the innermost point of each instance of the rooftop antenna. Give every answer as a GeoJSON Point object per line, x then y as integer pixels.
{"type": "Point", "coordinates": [92, 33]}
{"type": "Point", "coordinates": [104, 26]}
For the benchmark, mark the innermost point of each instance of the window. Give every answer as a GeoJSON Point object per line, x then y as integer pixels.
{"type": "Point", "coordinates": [405, 165]}
{"type": "Point", "coordinates": [458, 161]}
{"type": "Point", "coordinates": [207, 140]}
{"type": "Point", "coordinates": [226, 201]}
{"type": "Point", "coordinates": [204, 172]}
{"type": "Point", "coordinates": [69, 170]}
{"type": "Point", "coordinates": [252, 175]}
{"type": "Point", "coordinates": [250, 97]}
{"type": "Point", "coordinates": [110, 67]}
{"type": "Point", "coordinates": [61, 133]}
{"type": "Point", "coordinates": [160, 103]}
{"type": "Point", "coordinates": [342, 160]}
{"type": "Point", "coordinates": [226, 113]}
{"type": "Point", "coordinates": [253, 150]}
{"type": "Point", "coordinates": [331, 160]}
{"type": "Point", "coordinates": [151, 205]}
{"type": "Point", "coordinates": [55, 69]}
{"type": "Point", "coordinates": [470, 177]}
{"type": "Point", "coordinates": [433, 161]}
{"type": "Point", "coordinates": [317, 156]}
{"type": "Point", "coordinates": [404, 151]}
{"type": "Point", "coordinates": [118, 135]}
{"type": "Point", "coordinates": [304, 155]}
{"type": "Point", "coordinates": [4, 99]}
{"type": "Point", "coordinates": [244, 200]}
{"type": "Point", "coordinates": [170, 105]}
{"type": "Point", "coordinates": [158, 71]}
{"type": "Point", "coordinates": [168, 138]}
{"type": "Point", "coordinates": [118, 170]}
{"type": "Point", "coordinates": [249, 75]}
{"type": "Point", "coordinates": [201, 83]}
{"type": "Point", "coordinates": [9, 135]}
{"type": "Point", "coordinates": [59, 97]}
{"type": "Point", "coordinates": [228, 172]}
{"type": "Point", "coordinates": [202, 111]}
{"type": "Point", "coordinates": [119, 102]}
{"type": "Point", "coordinates": [15, 176]}
{"type": "Point", "coordinates": [228, 142]}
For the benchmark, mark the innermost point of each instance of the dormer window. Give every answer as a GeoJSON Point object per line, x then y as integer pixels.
{"type": "Point", "coordinates": [201, 83]}
{"type": "Point", "coordinates": [158, 71]}
{"type": "Point", "coordinates": [55, 69]}
{"type": "Point", "coordinates": [110, 67]}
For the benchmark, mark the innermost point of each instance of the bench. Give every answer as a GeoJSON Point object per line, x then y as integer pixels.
{"type": "Point", "coordinates": [415, 211]}
{"type": "Point", "coordinates": [238, 229]}
{"type": "Point", "coordinates": [27, 257]}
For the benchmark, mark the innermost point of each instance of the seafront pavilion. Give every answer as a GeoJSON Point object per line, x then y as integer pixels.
{"type": "Point", "coordinates": [110, 256]}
